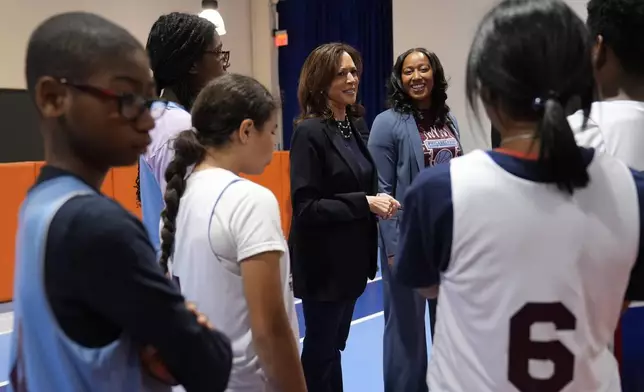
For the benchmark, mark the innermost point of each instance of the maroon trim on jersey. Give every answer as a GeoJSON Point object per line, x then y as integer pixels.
{"type": "Point", "coordinates": [518, 154]}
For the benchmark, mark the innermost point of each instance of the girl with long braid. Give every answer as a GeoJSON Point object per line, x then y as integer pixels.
{"type": "Point", "coordinates": [185, 54]}
{"type": "Point", "coordinates": [221, 236]}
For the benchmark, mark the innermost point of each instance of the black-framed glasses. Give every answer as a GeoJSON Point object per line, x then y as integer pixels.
{"type": "Point", "coordinates": [222, 55]}
{"type": "Point", "coordinates": [131, 106]}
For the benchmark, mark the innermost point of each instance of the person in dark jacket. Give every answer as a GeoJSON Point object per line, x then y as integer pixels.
{"type": "Point", "coordinates": [334, 185]}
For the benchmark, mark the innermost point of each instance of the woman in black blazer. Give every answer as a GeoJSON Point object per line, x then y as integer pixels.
{"type": "Point", "coordinates": [333, 238]}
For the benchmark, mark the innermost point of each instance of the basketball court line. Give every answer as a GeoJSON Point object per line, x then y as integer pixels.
{"type": "Point", "coordinates": [359, 321]}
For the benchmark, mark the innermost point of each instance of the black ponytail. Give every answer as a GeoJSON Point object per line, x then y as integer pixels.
{"type": "Point", "coordinates": [530, 62]}
{"type": "Point", "coordinates": [559, 158]}
{"type": "Point", "coordinates": [188, 151]}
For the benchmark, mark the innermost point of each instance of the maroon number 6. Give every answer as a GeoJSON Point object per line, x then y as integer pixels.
{"type": "Point", "coordinates": [522, 349]}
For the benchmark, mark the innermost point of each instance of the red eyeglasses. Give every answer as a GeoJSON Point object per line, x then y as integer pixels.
{"type": "Point", "coordinates": [131, 106]}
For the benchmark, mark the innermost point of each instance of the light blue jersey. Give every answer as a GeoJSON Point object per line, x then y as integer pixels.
{"type": "Point", "coordinates": [151, 201]}
{"type": "Point", "coordinates": [42, 357]}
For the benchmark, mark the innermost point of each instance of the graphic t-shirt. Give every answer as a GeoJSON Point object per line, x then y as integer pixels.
{"type": "Point", "coordinates": [439, 143]}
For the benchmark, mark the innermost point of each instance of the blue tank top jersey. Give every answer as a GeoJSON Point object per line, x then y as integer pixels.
{"type": "Point", "coordinates": [42, 357]}
{"type": "Point", "coordinates": [151, 202]}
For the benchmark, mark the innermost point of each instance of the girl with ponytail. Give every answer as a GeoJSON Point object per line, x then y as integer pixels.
{"type": "Point", "coordinates": [221, 236]}
{"type": "Point", "coordinates": [532, 245]}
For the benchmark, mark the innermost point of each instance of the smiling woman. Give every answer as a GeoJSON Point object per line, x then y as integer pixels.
{"type": "Point", "coordinates": [417, 132]}
{"type": "Point", "coordinates": [333, 238]}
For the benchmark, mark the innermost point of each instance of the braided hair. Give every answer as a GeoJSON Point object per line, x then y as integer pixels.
{"type": "Point", "coordinates": [176, 41]}
{"type": "Point", "coordinates": [218, 112]}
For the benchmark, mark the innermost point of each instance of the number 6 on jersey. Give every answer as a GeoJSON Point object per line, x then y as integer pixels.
{"type": "Point", "coordinates": [522, 348]}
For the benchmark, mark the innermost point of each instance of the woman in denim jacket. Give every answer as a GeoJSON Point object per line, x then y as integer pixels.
{"type": "Point", "coordinates": [418, 131]}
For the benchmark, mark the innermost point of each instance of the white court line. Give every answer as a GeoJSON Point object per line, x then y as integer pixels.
{"type": "Point", "coordinates": [377, 278]}
{"type": "Point", "coordinates": [4, 383]}
{"type": "Point", "coordinates": [360, 320]}
{"type": "Point", "coordinates": [363, 319]}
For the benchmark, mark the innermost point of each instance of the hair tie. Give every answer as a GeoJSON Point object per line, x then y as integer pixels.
{"type": "Point", "coordinates": [539, 103]}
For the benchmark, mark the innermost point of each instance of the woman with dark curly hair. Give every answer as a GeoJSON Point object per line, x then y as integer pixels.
{"type": "Point", "coordinates": [417, 131]}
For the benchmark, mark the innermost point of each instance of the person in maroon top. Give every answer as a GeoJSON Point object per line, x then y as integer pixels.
{"type": "Point", "coordinates": [418, 131]}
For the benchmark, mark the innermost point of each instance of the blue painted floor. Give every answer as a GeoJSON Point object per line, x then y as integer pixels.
{"type": "Point", "coordinates": [361, 360]}
{"type": "Point", "coordinates": [5, 340]}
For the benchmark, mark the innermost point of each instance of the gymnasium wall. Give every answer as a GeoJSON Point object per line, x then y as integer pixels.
{"type": "Point", "coordinates": [18, 177]}
{"type": "Point", "coordinates": [447, 28]}
{"type": "Point", "coordinates": [20, 17]}
{"type": "Point", "coordinates": [249, 25]}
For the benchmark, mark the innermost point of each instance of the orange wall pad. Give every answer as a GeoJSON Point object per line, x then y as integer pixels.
{"type": "Point", "coordinates": [120, 185]}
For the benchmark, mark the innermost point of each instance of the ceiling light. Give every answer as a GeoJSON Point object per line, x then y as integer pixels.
{"type": "Point", "coordinates": [211, 13]}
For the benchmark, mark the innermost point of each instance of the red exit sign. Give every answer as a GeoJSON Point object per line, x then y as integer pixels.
{"type": "Point", "coordinates": [281, 38]}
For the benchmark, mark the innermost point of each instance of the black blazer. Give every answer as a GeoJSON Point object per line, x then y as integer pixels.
{"type": "Point", "coordinates": [333, 238]}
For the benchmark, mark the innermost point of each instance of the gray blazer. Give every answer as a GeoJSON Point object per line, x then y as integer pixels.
{"type": "Point", "coordinates": [396, 148]}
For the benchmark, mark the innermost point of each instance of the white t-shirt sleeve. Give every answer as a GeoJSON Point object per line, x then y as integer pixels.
{"type": "Point", "coordinates": [255, 223]}
{"type": "Point", "coordinates": [589, 136]}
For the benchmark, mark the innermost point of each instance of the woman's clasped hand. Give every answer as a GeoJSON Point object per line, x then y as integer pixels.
{"type": "Point", "coordinates": [383, 205]}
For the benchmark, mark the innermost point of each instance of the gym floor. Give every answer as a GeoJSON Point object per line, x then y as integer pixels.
{"type": "Point", "coordinates": [362, 359]}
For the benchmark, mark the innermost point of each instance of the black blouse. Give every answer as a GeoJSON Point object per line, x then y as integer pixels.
{"type": "Point", "coordinates": [366, 168]}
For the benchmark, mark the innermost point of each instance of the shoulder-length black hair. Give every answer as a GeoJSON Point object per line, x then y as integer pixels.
{"type": "Point", "coordinates": [402, 103]}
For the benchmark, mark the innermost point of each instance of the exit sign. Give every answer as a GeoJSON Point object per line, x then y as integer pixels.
{"type": "Point", "coordinates": [281, 38]}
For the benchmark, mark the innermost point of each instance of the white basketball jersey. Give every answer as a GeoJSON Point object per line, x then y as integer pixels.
{"type": "Point", "coordinates": [536, 280]}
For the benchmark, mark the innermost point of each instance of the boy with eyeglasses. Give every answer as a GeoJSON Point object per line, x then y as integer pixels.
{"type": "Point", "coordinates": [89, 295]}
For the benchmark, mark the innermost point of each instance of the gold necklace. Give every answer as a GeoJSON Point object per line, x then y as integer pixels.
{"type": "Point", "coordinates": [517, 137]}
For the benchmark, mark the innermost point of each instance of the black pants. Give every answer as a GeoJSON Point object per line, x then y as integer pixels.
{"type": "Point", "coordinates": [432, 315]}
{"type": "Point", "coordinates": [327, 329]}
